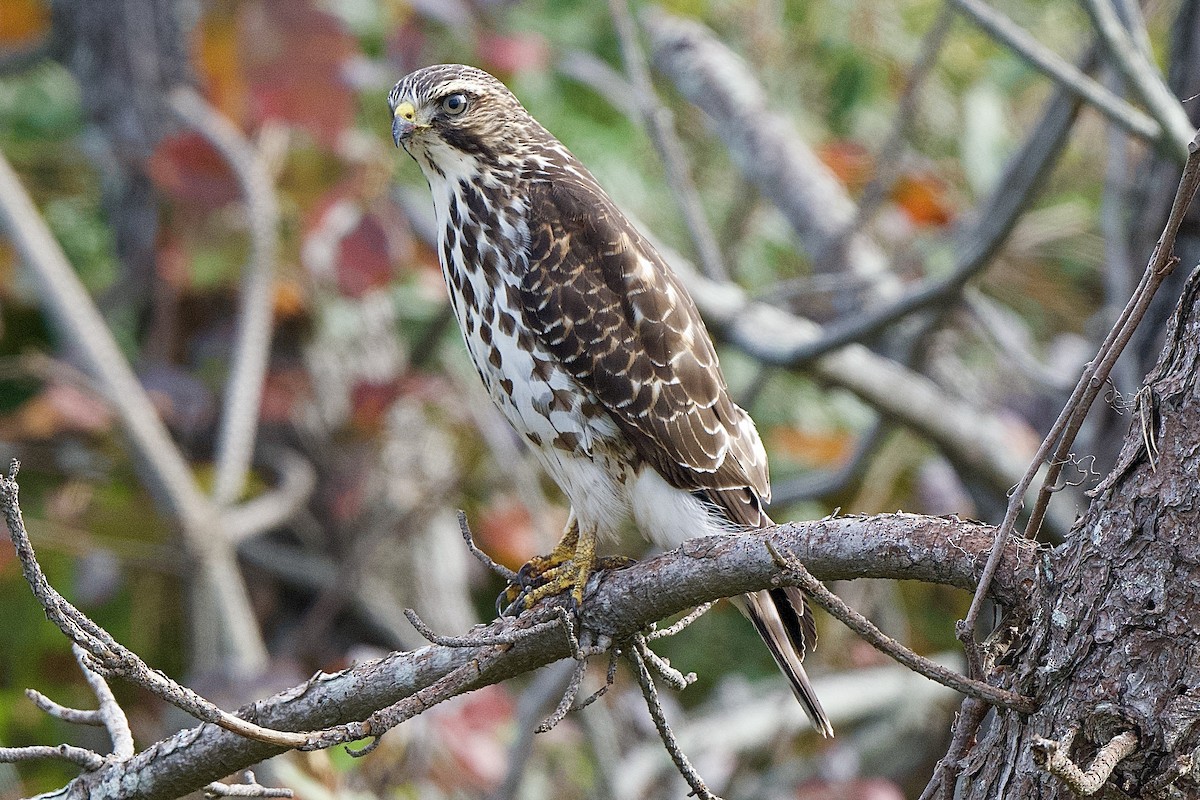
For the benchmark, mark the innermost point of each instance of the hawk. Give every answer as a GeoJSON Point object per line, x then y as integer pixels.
{"type": "Point", "coordinates": [589, 345]}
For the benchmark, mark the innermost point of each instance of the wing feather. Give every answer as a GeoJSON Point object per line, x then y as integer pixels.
{"type": "Point", "coordinates": [605, 303]}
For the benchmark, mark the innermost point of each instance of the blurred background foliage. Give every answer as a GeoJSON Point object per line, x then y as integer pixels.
{"type": "Point", "coordinates": [361, 331]}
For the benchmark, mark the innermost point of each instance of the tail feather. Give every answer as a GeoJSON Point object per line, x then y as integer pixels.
{"type": "Point", "coordinates": [781, 616]}
{"type": "Point", "coordinates": [765, 613]}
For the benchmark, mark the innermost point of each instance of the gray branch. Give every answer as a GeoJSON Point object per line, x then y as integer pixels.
{"type": "Point", "coordinates": [904, 546]}
{"type": "Point", "coordinates": [243, 390]}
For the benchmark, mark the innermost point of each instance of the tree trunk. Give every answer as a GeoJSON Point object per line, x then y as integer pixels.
{"type": "Point", "coordinates": [1111, 639]}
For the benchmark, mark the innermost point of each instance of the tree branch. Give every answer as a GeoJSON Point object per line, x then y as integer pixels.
{"type": "Point", "coordinates": [243, 389]}
{"type": "Point", "coordinates": [74, 314]}
{"type": "Point", "coordinates": [905, 546]}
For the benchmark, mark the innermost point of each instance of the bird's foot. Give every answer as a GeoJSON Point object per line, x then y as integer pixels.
{"type": "Point", "coordinates": [567, 568]}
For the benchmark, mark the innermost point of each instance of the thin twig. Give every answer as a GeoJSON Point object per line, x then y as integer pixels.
{"type": "Point", "coordinates": [111, 657]}
{"type": "Point", "coordinates": [504, 572]}
{"type": "Point", "coordinates": [375, 726]}
{"type": "Point", "coordinates": [521, 629]}
{"type": "Point", "coordinates": [251, 788]}
{"type": "Point", "coordinates": [76, 716]}
{"type": "Point", "coordinates": [1063, 72]}
{"type": "Point", "coordinates": [76, 755]}
{"type": "Point", "coordinates": [650, 693]}
{"type": "Point", "coordinates": [1093, 378]}
{"type": "Point", "coordinates": [610, 676]}
{"type": "Point", "coordinates": [693, 615]}
{"type": "Point", "coordinates": [660, 124]}
{"type": "Point", "coordinates": [110, 712]}
{"type": "Point", "coordinates": [795, 572]}
{"type": "Point", "coordinates": [243, 390]}
{"type": "Point", "coordinates": [566, 701]}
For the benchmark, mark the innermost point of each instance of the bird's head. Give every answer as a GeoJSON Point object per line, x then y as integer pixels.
{"type": "Point", "coordinates": [449, 111]}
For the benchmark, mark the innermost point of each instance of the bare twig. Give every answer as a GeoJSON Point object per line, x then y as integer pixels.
{"type": "Point", "coordinates": [76, 755]}
{"type": "Point", "coordinates": [250, 788]}
{"type": "Point", "coordinates": [243, 391]}
{"type": "Point", "coordinates": [662, 667]}
{"type": "Point", "coordinates": [635, 655]}
{"type": "Point", "coordinates": [795, 573]}
{"type": "Point", "coordinates": [1065, 74]}
{"type": "Point", "coordinates": [483, 558]}
{"type": "Point", "coordinates": [76, 716]}
{"type": "Point", "coordinates": [693, 615]}
{"type": "Point", "coordinates": [660, 124]}
{"type": "Point", "coordinates": [1142, 76]}
{"type": "Point", "coordinates": [521, 628]}
{"type": "Point", "coordinates": [111, 657]}
{"type": "Point", "coordinates": [1063, 432]}
{"type": "Point", "coordinates": [610, 677]}
{"type": "Point", "coordinates": [567, 700]}
{"type": "Point", "coordinates": [375, 726]}
{"type": "Point", "coordinates": [111, 715]}
{"type": "Point", "coordinates": [1055, 758]}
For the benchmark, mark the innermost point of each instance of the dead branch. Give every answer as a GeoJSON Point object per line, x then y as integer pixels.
{"type": "Point", "coordinates": [371, 698]}
{"type": "Point", "coordinates": [1055, 758]}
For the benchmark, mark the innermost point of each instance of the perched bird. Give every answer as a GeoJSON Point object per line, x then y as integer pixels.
{"type": "Point", "coordinates": [589, 345]}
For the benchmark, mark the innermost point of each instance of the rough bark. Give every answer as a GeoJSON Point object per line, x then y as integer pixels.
{"type": "Point", "coordinates": [1110, 644]}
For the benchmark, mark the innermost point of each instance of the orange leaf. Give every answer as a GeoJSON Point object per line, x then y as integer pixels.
{"type": "Point", "coordinates": [290, 299]}
{"type": "Point", "coordinates": [922, 196]}
{"type": "Point", "coordinates": [217, 60]}
{"type": "Point", "coordinates": [23, 21]}
{"type": "Point", "coordinates": [849, 161]}
{"type": "Point", "coordinates": [817, 448]}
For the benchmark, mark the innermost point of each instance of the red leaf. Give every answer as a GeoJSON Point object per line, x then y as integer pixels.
{"type": "Point", "coordinates": [293, 55]}
{"type": "Point", "coordinates": [364, 258]}
{"type": "Point", "coordinates": [187, 168]}
{"type": "Point", "coordinates": [506, 54]}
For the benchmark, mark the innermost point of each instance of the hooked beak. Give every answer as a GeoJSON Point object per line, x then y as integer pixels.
{"type": "Point", "coordinates": [404, 122]}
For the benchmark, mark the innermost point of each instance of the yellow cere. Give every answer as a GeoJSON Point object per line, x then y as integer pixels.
{"type": "Point", "coordinates": [406, 111]}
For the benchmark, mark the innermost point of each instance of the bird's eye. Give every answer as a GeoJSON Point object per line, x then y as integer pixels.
{"type": "Point", "coordinates": [455, 104]}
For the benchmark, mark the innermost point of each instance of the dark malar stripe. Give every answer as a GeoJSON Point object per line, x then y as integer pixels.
{"type": "Point", "coordinates": [467, 142]}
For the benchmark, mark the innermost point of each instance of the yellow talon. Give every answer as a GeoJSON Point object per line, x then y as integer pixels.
{"type": "Point", "coordinates": [565, 568]}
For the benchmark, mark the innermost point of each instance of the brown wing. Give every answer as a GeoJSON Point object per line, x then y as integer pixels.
{"type": "Point", "coordinates": [604, 302]}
